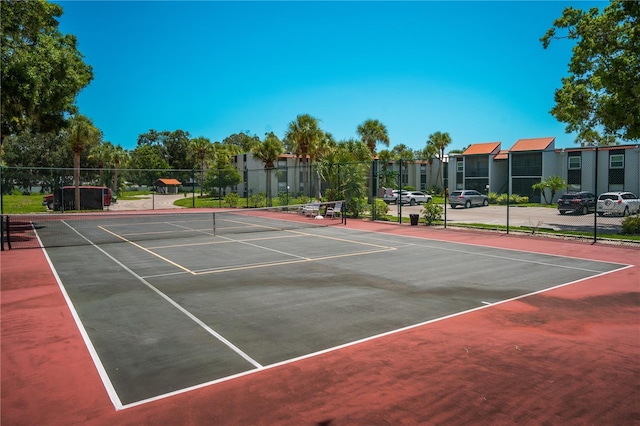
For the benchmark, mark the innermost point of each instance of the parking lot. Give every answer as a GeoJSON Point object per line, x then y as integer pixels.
{"type": "Point", "coordinates": [538, 217]}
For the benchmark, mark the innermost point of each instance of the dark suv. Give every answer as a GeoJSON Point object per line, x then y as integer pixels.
{"type": "Point", "coordinates": [577, 202]}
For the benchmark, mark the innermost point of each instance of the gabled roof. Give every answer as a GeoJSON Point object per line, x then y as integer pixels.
{"type": "Point", "coordinates": [535, 144]}
{"type": "Point", "coordinates": [169, 181]}
{"type": "Point", "coordinates": [502, 155]}
{"type": "Point", "coordinates": [482, 148]}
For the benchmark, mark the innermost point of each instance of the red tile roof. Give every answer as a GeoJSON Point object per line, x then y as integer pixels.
{"type": "Point", "coordinates": [502, 155]}
{"type": "Point", "coordinates": [535, 144]}
{"type": "Point", "coordinates": [482, 148]}
{"type": "Point", "coordinates": [170, 181]}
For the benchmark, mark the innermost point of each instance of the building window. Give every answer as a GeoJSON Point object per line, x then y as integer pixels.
{"type": "Point", "coordinates": [616, 161]}
{"type": "Point", "coordinates": [460, 166]}
{"type": "Point", "coordinates": [477, 166]}
{"type": "Point", "coordinates": [575, 163]}
{"type": "Point", "coordinates": [616, 170]}
{"type": "Point", "coordinates": [529, 164]}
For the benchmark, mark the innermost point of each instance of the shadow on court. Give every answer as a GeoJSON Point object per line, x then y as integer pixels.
{"type": "Point", "coordinates": [178, 318]}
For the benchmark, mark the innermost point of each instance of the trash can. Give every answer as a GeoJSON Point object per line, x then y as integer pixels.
{"type": "Point", "coordinates": [414, 219]}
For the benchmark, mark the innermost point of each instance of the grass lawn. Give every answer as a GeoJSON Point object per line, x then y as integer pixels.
{"type": "Point", "coordinates": [15, 204]}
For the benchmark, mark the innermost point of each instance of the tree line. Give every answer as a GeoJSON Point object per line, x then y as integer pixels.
{"type": "Point", "coordinates": [42, 127]}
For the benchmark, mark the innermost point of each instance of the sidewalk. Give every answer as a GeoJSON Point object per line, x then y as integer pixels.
{"type": "Point", "coordinates": [148, 202]}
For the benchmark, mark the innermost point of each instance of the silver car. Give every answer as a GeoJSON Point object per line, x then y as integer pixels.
{"type": "Point", "coordinates": [618, 203]}
{"type": "Point", "coordinates": [467, 198]}
{"type": "Point", "coordinates": [415, 197]}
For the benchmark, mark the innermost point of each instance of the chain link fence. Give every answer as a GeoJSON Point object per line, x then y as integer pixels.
{"type": "Point", "coordinates": [366, 187]}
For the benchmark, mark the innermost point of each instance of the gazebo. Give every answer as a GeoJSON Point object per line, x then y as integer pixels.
{"type": "Point", "coordinates": [167, 186]}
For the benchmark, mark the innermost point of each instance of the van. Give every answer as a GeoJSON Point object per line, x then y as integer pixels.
{"type": "Point", "coordinates": [91, 198]}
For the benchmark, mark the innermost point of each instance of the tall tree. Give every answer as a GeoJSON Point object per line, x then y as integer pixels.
{"type": "Point", "coordinates": [242, 142]}
{"type": "Point", "coordinates": [440, 141]}
{"type": "Point", "coordinates": [373, 132]}
{"type": "Point", "coordinates": [201, 149]}
{"type": "Point", "coordinates": [120, 158]}
{"type": "Point", "coordinates": [102, 153]}
{"type": "Point", "coordinates": [302, 135]}
{"type": "Point", "coordinates": [345, 169]}
{"type": "Point", "coordinates": [600, 99]}
{"type": "Point", "coordinates": [268, 152]}
{"type": "Point", "coordinates": [82, 135]}
{"type": "Point", "coordinates": [149, 161]}
{"type": "Point", "coordinates": [42, 70]}
{"type": "Point", "coordinates": [172, 145]}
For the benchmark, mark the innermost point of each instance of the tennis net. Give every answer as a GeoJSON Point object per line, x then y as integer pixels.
{"type": "Point", "coordinates": [74, 229]}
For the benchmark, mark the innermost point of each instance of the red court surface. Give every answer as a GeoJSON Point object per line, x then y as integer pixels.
{"type": "Point", "coordinates": [566, 356]}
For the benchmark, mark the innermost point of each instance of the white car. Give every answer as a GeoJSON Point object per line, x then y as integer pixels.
{"type": "Point", "coordinates": [618, 203]}
{"type": "Point", "coordinates": [391, 195]}
{"type": "Point", "coordinates": [415, 197]}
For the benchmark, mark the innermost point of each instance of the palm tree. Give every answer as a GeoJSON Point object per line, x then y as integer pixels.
{"type": "Point", "coordinates": [373, 132]}
{"type": "Point", "coordinates": [268, 152]}
{"type": "Point", "coordinates": [103, 155]}
{"type": "Point", "coordinates": [553, 183]}
{"type": "Point", "coordinates": [303, 135]}
{"type": "Point", "coordinates": [120, 156]}
{"type": "Point", "coordinates": [82, 134]}
{"type": "Point", "coordinates": [440, 141]}
{"type": "Point", "coordinates": [201, 148]}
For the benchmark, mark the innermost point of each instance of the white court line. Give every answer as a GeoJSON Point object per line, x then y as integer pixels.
{"type": "Point", "coordinates": [293, 360]}
{"type": "Point", "coordinates": [457, 250]}
{"type": "Point", "coordinates": [115, 399]}
{"type": "Point", "coordinates": [102, 372]}
{"type": "Point", "coordinates": [364, 340]}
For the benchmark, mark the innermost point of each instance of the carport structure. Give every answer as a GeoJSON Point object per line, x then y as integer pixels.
{"type": "Point", "coordinates": [167, 185]}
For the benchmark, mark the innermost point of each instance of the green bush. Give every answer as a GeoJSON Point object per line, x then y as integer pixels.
{"type": "Point", "coordinates": [501, 199]}
{"type": "Point", "coordinates": [258, 200]}
{"type": "Point", "coordinates": [382, 209]}
{"type": "Point", "coordinates": [631, 225]}
{"type": "Point", "coordinates": [432, 213]}
{"type": "Point", "coordinates": [231, 199]}
{"type": "Point", "coordinates": [356, 206]}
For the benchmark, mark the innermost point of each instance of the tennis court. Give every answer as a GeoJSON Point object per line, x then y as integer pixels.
{"type": "Point", "coordinates": [171, 303]}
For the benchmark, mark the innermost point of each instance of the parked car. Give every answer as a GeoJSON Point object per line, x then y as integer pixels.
{"type": "Point", "coordinates": [391, 195]}
{"type": "Point", "coordinates": [467, 198]}
{"type": "Point", "coordinates": [618, 203]}
{"type": "Point", "coordinates": [581, 202]}
{"type": "Point", "coordinates": [415, 197]}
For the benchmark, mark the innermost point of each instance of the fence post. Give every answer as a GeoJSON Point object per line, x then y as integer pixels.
{"type": "Point", "coordinates": [595, 190]}
{"type": "Point", "coordinates": [508, 188]}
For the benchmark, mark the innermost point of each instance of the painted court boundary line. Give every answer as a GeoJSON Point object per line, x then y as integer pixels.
{"type": "Point", "coordinates": [297, 258]}
{"type": "Point", "coordinates": [111, 390]}
{"type": "Point", "coordinates": [103, 374]}
{"type": "Point", "coordinates": [484, 305]}
{"type": "Point", "coordinates": [457, 250]}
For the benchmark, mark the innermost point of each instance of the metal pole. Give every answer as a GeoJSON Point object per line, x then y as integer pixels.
{"type": "Point", "coordinates": [446, 198]}
{"type": "Point", "coordinates": [193, 188]}
{"type": "Point", "coordinates": [399, 199]}
{"type": "Point", "coordinates": [595, 211]}
{"type": "Point", "coordinates": [508, 189]}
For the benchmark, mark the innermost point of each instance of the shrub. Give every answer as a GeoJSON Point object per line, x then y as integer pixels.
{"type": "Point", "coordinates": [258, 200]}
{"type": "Point", "coordinates": [231, 199]}
{"type": "Point", "coordinates": [382, 209]}
{"type": "Point", "coordinates": [432, 213]}
{"type": "Point", "coordinates": [502, 199]}
{"type": "Point", "coordinates": [631, 225]}
{"type": "Point", "coordinates": [356, 206]}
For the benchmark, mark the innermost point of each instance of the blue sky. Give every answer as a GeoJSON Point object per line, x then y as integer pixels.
{"type": "Point", "coordinates": [476, 70]}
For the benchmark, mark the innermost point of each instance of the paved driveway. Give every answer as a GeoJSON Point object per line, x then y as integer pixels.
{"type": "Point", "coordinates": [539, 217]}
{"type": "Point", "coordinates": [148, 202]}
